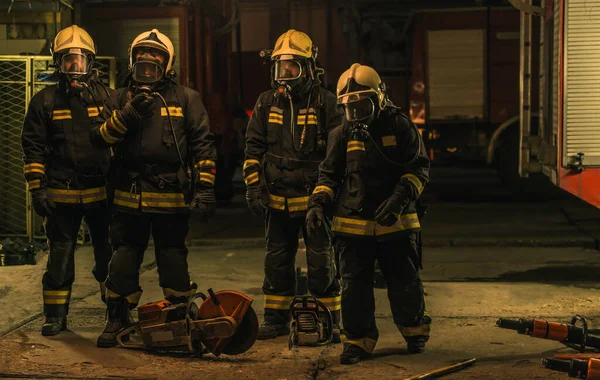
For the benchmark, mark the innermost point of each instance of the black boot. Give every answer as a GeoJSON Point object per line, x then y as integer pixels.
{"type": "Point", "coordinates": [54, 325]}
{"type": "Point", "coordinates": [270, 330]}
{"type": "Point", "coordinates": [119, 317]}
{"type": "Point", "coordinates": [416, 344]}
{"type": "Point", "coordinates": [353, 354]}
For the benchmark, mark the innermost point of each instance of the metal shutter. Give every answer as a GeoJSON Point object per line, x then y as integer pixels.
{"type": "Point", "coordinates": [113, 38]}
{"type": "Point", "coordinates": [582, 81]}
{"type": "Point", "coordinates": [555, 69]}
{"type": "Point", "coordinates": [456, 74]}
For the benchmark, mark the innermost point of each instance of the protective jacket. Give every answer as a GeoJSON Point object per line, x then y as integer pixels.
{"type": "Point", "coordinates": [58, 154]}
{"type": "Point", "coordinates": [286, 141]}
{"type": "Point", "coordinates": [151, 170]}
{"type": "Point", "coordinates": [363, 169]}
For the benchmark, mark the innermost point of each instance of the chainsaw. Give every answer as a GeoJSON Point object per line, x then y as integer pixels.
{"type": "Point", "coordinates": [222, 323]}
{"type": "Point", "coordinates": [311, 322]}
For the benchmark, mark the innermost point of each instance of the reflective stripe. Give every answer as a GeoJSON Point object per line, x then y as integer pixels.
{"type": "Point", "coordinates": [372, 228]}
{"type": "Point", "coordinates": [207, 177]}
{"type": "Point", "coordinates": [34, 167]}
{"type": "Point", "coordinates": [77, 196]}
{"type": "Point", "coordinates": [106, 136]}
{"type": "Point", "coordinates": [278, 302]}
{"type": "Point", "coordinates": [168, 292]}
{"type": "Point", "coordinates": [56, 297]}
{"type": "Point", "coordinates": [366, 344]}
{"type": "Point", "coordinates": [162, 199]}
{"type": "Point", "coordinates": [312, 119]}
{"type": "Point", "coordinates": [422, 330]}
{"type": "Point", "coordinates": [250, 162]}
{"type": "Point", "coordinates": [332, 303]}
{"type": "Point", "coordinates": [278, 203]}
{"type": "Point", "coordinates": [310, 111]}
{"type": "Point", "coordinates": [251, 179]}
{"type": "Point", "coordinates": [415, 181]}
{"type": "Point", "coordinates": [276, 110]}
{"type": "Point", "coordinates": [324, 189]}
{"type": "Point", "coordinates": [275, 118]}
{"type": "Point", "coordinates": [297, 204]}
{"type": "Point", "coordinates": [210, 163]}
{"type": "Point", "coordinates": [355, 145]}
{"type": "Point", "coordinates": [116, 124]}
{"type": "Point", "coordinates": [93, 111]}
{"type": "Point", "coordinates": [61, 115]}
{"type": "Point", "coordinates": [133, 298]}
{"type": "Point", "coordinates": [389, 141]}
{"type": "Point", "coordinates": [173, 111]}
{"type": "Point", "coordinates": [125, 199]}
{"type": "Point", "coordinates": [35, 184]}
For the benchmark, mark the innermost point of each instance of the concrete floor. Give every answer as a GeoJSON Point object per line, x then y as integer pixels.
{"type": "Point", "coordinates": [504, 255]}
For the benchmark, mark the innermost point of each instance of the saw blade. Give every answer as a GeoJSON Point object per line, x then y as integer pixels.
{"type": "Point", "coordinates": [245, 336]}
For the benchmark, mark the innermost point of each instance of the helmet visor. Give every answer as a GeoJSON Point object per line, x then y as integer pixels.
{"type": "Point", "coordinates": [359, 109]}
{"type": "Point", "coordinates": [147, 71]}
{"type": "Point", "coordinates": [75, 62]}
{"type": "Point", "coordinates": [287, 70]}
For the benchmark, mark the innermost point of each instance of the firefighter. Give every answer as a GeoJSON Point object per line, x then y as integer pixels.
{"type": "Point", "coordinates": [65, 174]}
{"type": "Point", "coordinates": [285, 142]}
{"type": "Point", "coordinates": [160, 134]}
{"type": "Point", "coordinates": [377, 166]}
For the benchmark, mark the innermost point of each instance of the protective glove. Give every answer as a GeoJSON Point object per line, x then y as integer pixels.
{"type": "Point", "coordinates": [388, 212]}
{"type": "Point", "coordinates": [254, 201]}
{"type": "Point", "coordinates": [41, 203]}
{"type": "Point", "coordinates": [138, 108]}
{"type": "Point", "coordinates": [315, 219]}
{"type": "Point", "coordinates": [205, 203]}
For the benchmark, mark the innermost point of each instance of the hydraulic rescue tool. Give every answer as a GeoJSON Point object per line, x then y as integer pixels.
{"type": "Point", "coordinates": [311, 322]}
{"type": "Point", "coordinates": [581, 369]}
{"type": "Point", "coordinates": [568, 334]}
{"type": "Point", "coordinates": [223, 323]}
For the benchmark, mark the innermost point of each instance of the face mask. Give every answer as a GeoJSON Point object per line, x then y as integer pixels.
{"type": "Point", "coordinates": [361, 110]}
{"type": "Point", "coordinates": [147, 70]}
{"type": "Point", "coordinates": [75, 66]}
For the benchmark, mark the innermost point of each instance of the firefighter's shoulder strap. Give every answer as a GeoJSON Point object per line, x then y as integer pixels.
{"type": "Point", "coordinates": [49, 96]}
{"type": "Point", "coordinates": [182, 100]}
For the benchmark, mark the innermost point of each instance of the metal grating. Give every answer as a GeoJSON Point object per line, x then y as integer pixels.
{"type": "Point", "coordinates": [20, 79]}
{"type": "Point", "coordinates": [582, 82]}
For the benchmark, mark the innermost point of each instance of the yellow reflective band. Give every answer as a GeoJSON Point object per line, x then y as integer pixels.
{"type": "Point", "coordinates": [35, 184]}
{"type": "Point", "coordinates": [366, 344]}
{"type": "Point", "coordinates": [106, 136]}
{"type": "Point", "coordinates": [173, 111]}
{"type": "Point", "coordinates": [276, 110]}
{"type": "Point", "coordinates": [64, 196]}
{"type": "Point", "coordinates": [210, 163]}
{"type": "Point", "coordinates": [415, 181]}
{"type": "Point", "coordinates": [332, 303]}
{"type": "Point", "coordinates": [207, 177]}
{"type": "Point", "coordinates": [389, 141]}
{"type": "Point", "coordinates": [278, 203]}
{"type": "Point", "coordinates": [93, 195]}
{"type": "Point", "coordinates": [56, 301]}
{"type": "Point", "coordinates": [324, 189]}
{"type": "Point", "coordinates": [355, 145]}
{"type": "Point", "coordinates": [168, 292]}
{"type": "Point", "coordinates": [34, 168]}
{"type": "Point", "coordinates": [133, 298]}
{"type": "Point", "coordinates": [312, 120]}
{"type": "Point", "coordinates": [116, 124]}
{"type": "Point", "coordinates": [297, 204]}
{"type": "Point", "coordinates": [251, 179]}
{"type": "Point", "coordinates": [250, 162]}
{"type": "Point", "coordinates": [125, 199]}
{"type": "Point", "coordinates": [405, 222]}
{"type": "Point", "coordinates": [93, 111]}
{"type": "Point", "coordinates": [422, 330]}
{"type": "Point", "coordinates": [370, 227]}
{"type": "Point", "coordinates": [161, 200]}
{"type": "Point", "coordinates": [56, 297]}
{"type": "Point", "coordinates": [61, 115]}
{"type": "Point", "coordinates": [274, 118]}
{"type": "Point", "coordinates": [278, 302]}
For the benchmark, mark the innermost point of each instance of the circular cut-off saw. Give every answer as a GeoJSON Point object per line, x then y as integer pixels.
{"type": "Point", "coordinates": [224, 322]}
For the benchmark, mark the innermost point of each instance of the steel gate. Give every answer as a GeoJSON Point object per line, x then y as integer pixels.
{"type": "Point", "coordinates": [21, 77]}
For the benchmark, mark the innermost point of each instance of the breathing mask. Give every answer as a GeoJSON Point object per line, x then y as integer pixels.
{"type": "Point", "coordinates": [359, 109]}
{"type": "Point", "coordinates": [148, 68]}
{"type": "Point", "coordinates": [75, 65]}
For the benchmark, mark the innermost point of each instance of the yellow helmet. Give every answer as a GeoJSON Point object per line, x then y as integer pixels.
{"type": "Point", "coordinates": [72, 37]}
{"type": "Point", "coordinates": [359, 82]}
{"type": "Point", "coordinates": [294, 42]}
{"type": "Point", "coordinates": [156, 40]}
